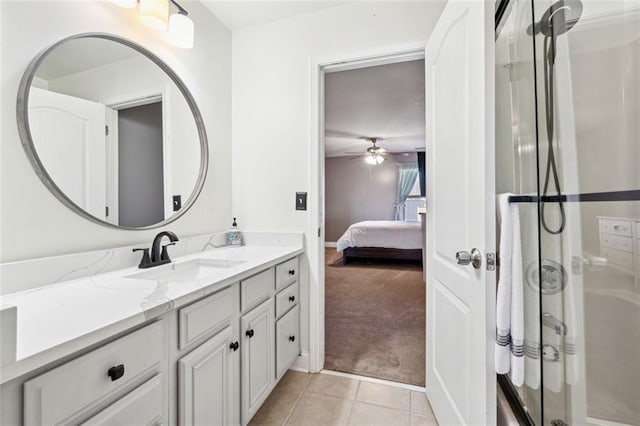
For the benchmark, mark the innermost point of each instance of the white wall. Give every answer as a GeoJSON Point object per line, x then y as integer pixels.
{"type": "Point", "coordinates": [272, 105]}
{"type": "Point", "coordinates": [357, 191]}
{"type": "Point", "coordinates": [33, 223]}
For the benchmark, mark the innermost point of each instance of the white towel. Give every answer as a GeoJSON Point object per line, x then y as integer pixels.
{"type": "Point", "coordinates": [509, 349]}
{"type": "Point", "coordinates": [503, 302]}
{"type": "Point", "coordinates": [532, 372]}
{"type": "Point", "coordinates": [517, 300]}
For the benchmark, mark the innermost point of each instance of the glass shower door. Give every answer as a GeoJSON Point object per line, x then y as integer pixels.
{"type": "Point", "coordinates": [516, 173]}
{"type": "Point", "coordinates": [587, 58]}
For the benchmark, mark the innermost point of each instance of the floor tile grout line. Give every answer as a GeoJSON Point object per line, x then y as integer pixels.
{"type": "Point", "coordinates": [353, 403]}
{"type": "Point", "coordinates": [293, 408]}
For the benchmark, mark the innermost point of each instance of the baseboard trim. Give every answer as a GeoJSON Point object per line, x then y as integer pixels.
{"type": "Point", "coordinates": [374, 380]}
{"type": "Point", "coordinates": [302, 363]}
{"type": "Point", "coordinates": [330, 244]}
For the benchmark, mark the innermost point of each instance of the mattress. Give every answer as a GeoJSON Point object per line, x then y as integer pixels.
{"type": "Point", "coordinates": [383, 234]}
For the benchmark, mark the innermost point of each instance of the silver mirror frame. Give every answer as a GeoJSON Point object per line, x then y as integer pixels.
{"type": "Point", "coordinates": [29, 147]}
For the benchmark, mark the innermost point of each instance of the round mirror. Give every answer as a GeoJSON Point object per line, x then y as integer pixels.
{"type": "Point", "coordinates": [112, 131]}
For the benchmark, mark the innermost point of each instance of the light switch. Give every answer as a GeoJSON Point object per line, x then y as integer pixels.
{"type": "Point", "coordinates": [177, 202]}
{"type": "Point", "coordinates": [301, 200]}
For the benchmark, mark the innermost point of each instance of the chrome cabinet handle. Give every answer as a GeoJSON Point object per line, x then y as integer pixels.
{"type": "Point", "coordinates": [474, 258]}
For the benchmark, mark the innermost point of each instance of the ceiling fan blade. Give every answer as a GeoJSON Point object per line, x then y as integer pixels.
{"type": "Point", "coordinates": [340, 134]}
{"type": "Point", "coordinates": [355, 152]}
{"type": "Point", "coordinates": [355, 157]}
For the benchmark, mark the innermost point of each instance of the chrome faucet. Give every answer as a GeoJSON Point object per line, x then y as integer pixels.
{"type": "Point", "coordinates": [157, 257]}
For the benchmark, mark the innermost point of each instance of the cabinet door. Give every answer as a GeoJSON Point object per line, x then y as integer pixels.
{"type": "Point", "coordinates": [142, 406]}
{"type": "Point", "coordinates": [208, 382]}
{"type": "Point", "coordinates": [257, 357]}
{"type": "Point", "coordinates": [287, 341]}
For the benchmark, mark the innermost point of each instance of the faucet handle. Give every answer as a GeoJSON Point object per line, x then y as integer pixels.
{"type": "Point", "coordinates": [165, 254]}
{"type": "Point", "coordinates": [145, 262]}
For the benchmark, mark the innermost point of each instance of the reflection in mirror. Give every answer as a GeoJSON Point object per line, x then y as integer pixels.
{"type": "Point", "coordinates": [114, 132]}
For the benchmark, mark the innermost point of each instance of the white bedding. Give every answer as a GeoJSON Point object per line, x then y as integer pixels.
{"type": "Point", "coordinates": [382, 233]}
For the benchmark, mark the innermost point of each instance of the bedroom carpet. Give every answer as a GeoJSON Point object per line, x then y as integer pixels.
{"type": "Point", "coordinates": [375, 320]}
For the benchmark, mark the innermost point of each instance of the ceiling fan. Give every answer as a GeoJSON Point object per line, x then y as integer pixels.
{"type": "Point", "coordinates": [374, 154]}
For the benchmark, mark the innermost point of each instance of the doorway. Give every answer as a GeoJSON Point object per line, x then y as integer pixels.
{"type": "Point", "coordinates": [373, 135]}
{"type": "Point", "coordinates": [140, 165]}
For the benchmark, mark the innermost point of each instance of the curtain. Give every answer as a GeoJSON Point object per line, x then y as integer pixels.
{"type": "Point", "coordinates": [407, 175]}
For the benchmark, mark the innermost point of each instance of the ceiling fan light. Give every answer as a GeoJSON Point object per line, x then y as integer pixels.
{"type": "Point", "coordinates": [380, 159]}
{"type": "Point", "coordinates": [371, 159]}
{"type": "Point", "coordinates": [155, 13]}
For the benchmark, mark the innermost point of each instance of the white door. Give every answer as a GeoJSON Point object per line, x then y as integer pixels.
{"type": "Point", "coordinates": [69, 136]}
{"type": "Point", "coordinates": [208, 379]}
{"type": "Point", "coordinates": [460, 381]}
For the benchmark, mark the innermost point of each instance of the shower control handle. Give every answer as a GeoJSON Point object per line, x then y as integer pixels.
{"type": "Point", "coordinates": [465, 258]}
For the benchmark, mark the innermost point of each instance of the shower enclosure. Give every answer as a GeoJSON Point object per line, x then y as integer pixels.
{"type": "Point", "coordinates": [568, 149]}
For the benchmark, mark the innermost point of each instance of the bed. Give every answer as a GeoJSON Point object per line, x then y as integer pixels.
{"type": "Point", "coordinates": [388, 240]}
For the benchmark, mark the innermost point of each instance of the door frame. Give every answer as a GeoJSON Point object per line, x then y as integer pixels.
{"type": "Point", "coordinates": [139, 98]}
{"type": "Point", "coordinates": [319, 66]}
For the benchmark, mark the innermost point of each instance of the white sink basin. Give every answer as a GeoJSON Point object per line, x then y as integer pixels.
{"type": "Point", "coordinates": [185, 271]}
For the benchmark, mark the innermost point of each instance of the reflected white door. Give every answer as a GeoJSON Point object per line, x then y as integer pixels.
{"type": "Point", "coordinates": [69, 137]}
{"type": "Point", "coordinates": [460, 381]}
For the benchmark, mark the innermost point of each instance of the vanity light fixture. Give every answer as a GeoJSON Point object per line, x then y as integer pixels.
{"type": "Point", "coordinates": [129, 4]}
{"type": "Point", "coordinates": [155, 14]}
{"type": "Point", "coordinates": [181, 28]}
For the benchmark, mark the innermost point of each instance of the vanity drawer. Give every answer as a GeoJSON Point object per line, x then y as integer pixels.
{"type": "Point", "coordinates": [59, 394]}
{"type": "Point", "coordinates": [286, 273]}
{"type": "Point", "coordinates": [286, 299]}
{"type": "Point", "coordinates": [142, 406]}
{"type": "Point", "coordinates": [287, 341]}
{"type": "Point", "coordinates": [205, 315]}
{"type": "Point", "coordinates": [619, 258]}
{"type": "Point", "coordinates": [256, 289]}
{"type": "Point", "coordinates": [615, 227]}
{"type": "Point", "coordinates": [617, 242]}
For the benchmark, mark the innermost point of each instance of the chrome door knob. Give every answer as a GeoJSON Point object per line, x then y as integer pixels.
{"type": "Point", "coordinates": [474, 258]}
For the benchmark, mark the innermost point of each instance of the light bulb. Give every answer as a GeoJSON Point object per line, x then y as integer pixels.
{"type": "Point", "coordinates": [129, 4]}
{"type": "Point", "coordinates": [155, 13]}
{"type": "Point", "coordinates": [370, 159]}
{"type": "Point", "coordinates": [181, 30]}
{"type": "Point", "coordinates": [379, 159]}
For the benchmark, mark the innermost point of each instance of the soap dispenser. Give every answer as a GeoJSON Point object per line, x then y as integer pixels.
{"type": "Point", "coordinates": [234, 238]}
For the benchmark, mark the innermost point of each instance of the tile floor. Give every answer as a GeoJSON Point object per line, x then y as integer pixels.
{"type": "Point", "coordinates": [323, 399]}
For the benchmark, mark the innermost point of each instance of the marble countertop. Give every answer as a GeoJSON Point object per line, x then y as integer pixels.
{"type": "Point", "coordinates": [56, 320]}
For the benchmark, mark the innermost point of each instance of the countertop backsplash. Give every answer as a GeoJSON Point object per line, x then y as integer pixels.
{"type": "Point", "coordinates": [32, 273]}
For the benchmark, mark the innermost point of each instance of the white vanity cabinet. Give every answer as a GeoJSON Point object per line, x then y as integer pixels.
{"type": "Point", "coordinates": [258, 350]}
{"type": "Point", "coordinates": [109, 375]}
{"type": "Point", "coordinates": [210, 361]}
{"type": "Point", "coordinates": [208, 377]}
{"type": "Point", "coordinates": [142, 406]}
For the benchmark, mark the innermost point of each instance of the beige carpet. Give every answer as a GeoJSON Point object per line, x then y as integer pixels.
{"type": "Point", "coordinates": [375, 320]}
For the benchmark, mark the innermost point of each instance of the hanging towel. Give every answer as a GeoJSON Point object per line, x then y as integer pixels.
{"type": "Point", "coordinates": [517, 300]}
{"type": "Point", "coordinates": [503, 302]}
{"type": "Point", "coordinates": [532, 372]}
{"type": "Point", "coordinates": [509, 349]}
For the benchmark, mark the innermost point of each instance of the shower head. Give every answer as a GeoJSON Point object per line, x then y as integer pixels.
{"type": "Point", "coordinates": [558, 19]}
